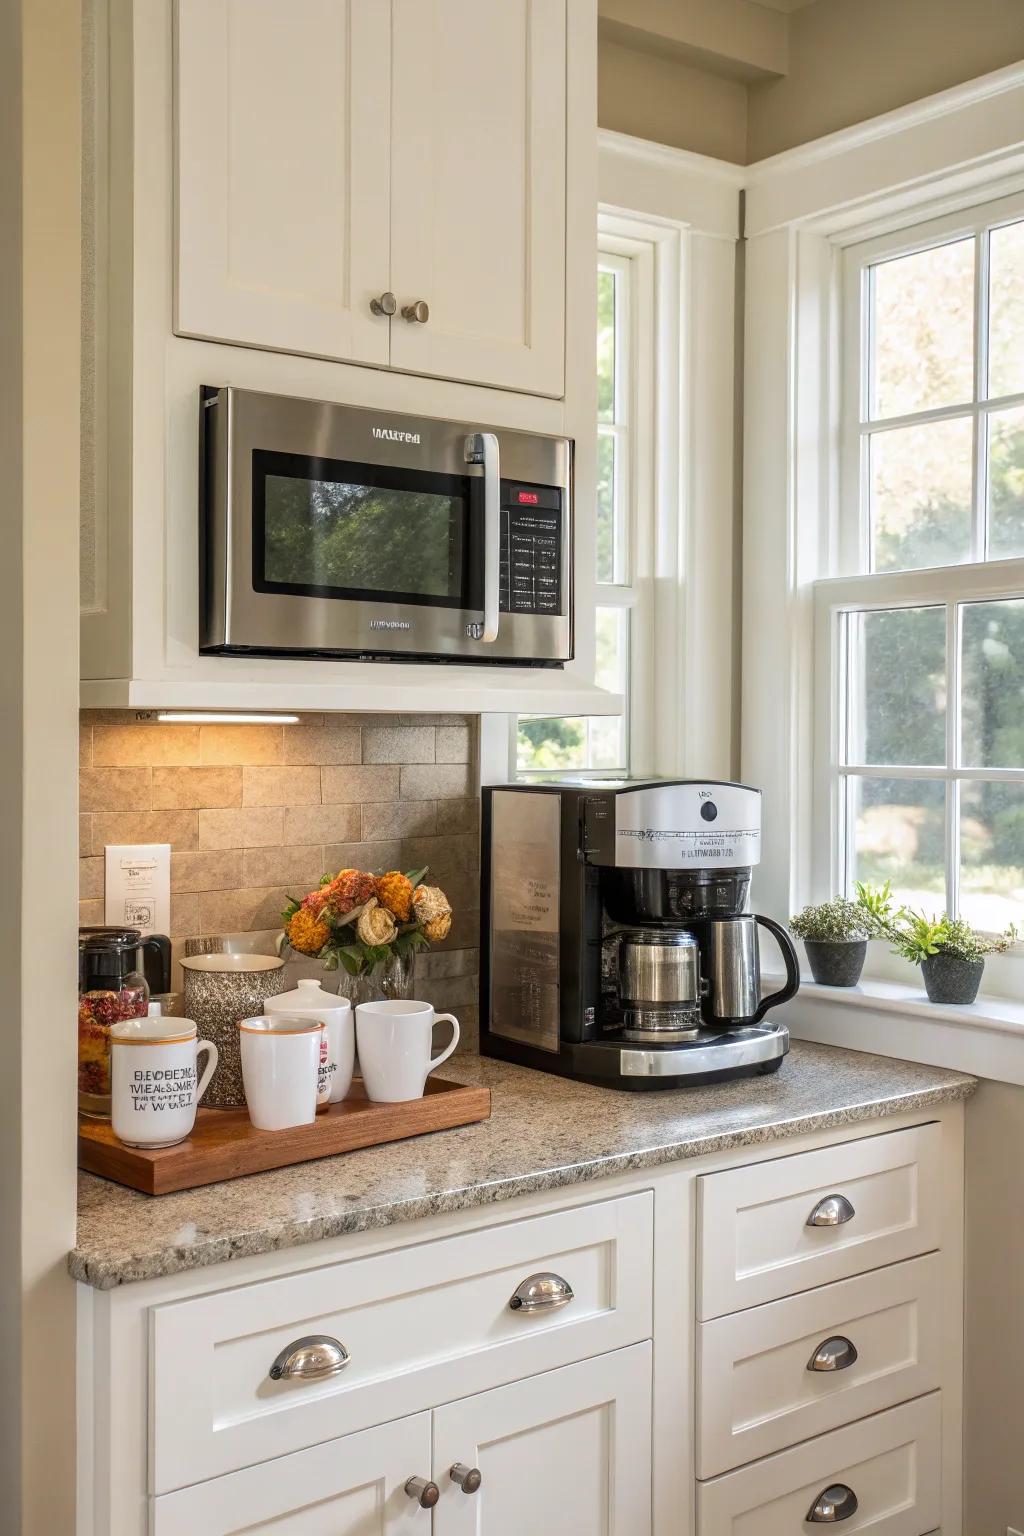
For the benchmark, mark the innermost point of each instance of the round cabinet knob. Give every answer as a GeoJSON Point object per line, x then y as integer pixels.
{"type": "Point", "coordinates": [832, 1211]}
{"type": "Point", "coordinates": [468, 1478]}
{"type": "Point", "coordinates": [310, 1359]}
{"type": "Point", "coordinates": [418, 312]}
{"type": "Point", "coordinates": [835, 1354]}
{"type": "Point", "coordinates": [832, 1505]}
{"type": "Point", "coordinates": [426, 1494]}
{"type": "Point", "coordinates": [543, 1292]}
{"type": "Point", "coordinates": [385, 305]}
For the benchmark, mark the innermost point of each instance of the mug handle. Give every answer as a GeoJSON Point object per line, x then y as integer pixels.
{"type": "Point", "coordinates": [212, 1058]}
{"type": "Point", "coordinates": [445, 1018]}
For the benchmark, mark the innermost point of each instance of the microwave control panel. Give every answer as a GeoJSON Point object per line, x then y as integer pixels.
{"type": "Point", "coordinates": [531, 545]}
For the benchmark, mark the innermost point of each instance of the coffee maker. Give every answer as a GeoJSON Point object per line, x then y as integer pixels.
{"type": "Point", "coordinates": [617, 947]}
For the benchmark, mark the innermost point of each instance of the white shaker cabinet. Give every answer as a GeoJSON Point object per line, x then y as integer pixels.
{"type": "Point", "coordinates": [332, 152]}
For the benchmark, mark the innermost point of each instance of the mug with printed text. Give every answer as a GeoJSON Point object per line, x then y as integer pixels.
{"type": "Point", "coordinates": [155, 1086]}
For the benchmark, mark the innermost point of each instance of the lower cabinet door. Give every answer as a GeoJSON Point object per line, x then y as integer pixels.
{"type": "Point", "coordinates": [349, 1487]}
{"type": "Point", "coordinates": [563, 1454]}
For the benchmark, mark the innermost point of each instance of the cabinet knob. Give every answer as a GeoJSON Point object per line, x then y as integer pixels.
{"type": "Point", "coordinates": [426, 1494]}
{"type": "Point", "coordinates": [385, 305]}
{"type": "Point", "coordinates": [468, 1478]}
{"type": "Point", "coordinates": [835, 1354]}
{"type": "Point", "coordinates": [832, 1505]}
{"type": "Point", "coordinates": [418, 312]}
{"type": "Point", "coordinates": [832, 1211]}
{"type": "Point", "coordinates": [543, 1292]}
{"type": "Point", "coordinates": [310, 1359]}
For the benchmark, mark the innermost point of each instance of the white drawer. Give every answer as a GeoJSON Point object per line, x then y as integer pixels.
{"type": "Point", "coordinates": [891, 1462]}
{"type": "Point", "coordinates": [757, 1393]}
{"type": "Point", "coordinates": [756, 1243]}
{"type": "Point", "coordinates": [422, 1325]}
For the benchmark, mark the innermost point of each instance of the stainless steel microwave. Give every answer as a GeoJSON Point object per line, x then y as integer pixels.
{"type": "Point", "coordinates": [328, 530]}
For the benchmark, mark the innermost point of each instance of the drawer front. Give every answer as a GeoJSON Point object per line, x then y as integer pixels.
{"type": "Point", "coordinates": [758, 1392]}
{"type": "Point", "coordinates": [757, 1238]}
{"type": "Point", "coordinates": [421, 1326]}
{"type": "Point", "coordinates": [891, 1462]}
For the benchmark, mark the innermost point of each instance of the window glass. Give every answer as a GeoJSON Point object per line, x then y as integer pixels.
{"type": "Point", "coordinates": [606, 305]}
{"type": "Point", "coordinates": [1006, 483]}
{"type": "Point", "coordinates": [1006, 311]}
{"type": "Point", "coordinates": [921, 480]}
{"type": "Point", "coordinates": [991, 853]}
{"type": "Point", "coordinates": [606, 519]}
{"type": "Point", "coordinates": [896, 665]}
{"type": "Point", "coordinates": [923, 330]}
{"type": "Point", "coordinates": [992, 685]}
{"type": "Point", "coordinates": [897, 832]}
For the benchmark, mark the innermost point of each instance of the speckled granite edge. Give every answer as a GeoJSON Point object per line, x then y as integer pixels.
{"type": "Point", "coordinates": [107, 1271]}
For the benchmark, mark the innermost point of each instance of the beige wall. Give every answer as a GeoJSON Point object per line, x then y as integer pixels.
{"type": "Point", "coordinates": [994, 1324]}
{"type": "Point", "coordinates": [852, 59]}
{"type": "Point", "coordinates": [671, 102]}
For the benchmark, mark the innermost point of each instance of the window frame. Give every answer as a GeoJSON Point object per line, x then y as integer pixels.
{"type": "Point", "coordinates": [858, 588]}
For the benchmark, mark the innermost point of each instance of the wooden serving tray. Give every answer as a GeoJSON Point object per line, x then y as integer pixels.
{"type": "Point", "coordinates": [225, 1145]}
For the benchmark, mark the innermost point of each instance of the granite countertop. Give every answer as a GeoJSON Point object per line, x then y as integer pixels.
{"type": "Point", "coordinates": [544, 1133]}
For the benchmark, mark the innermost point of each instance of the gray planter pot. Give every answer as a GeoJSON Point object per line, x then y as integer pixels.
{"type": "Point", "coordinates": [836, 962]}
{"type": "Point", "coordinates": [951, 979]}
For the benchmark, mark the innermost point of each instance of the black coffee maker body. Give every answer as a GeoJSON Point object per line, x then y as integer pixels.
{"type": "Point", "coordinates": [589, 887]}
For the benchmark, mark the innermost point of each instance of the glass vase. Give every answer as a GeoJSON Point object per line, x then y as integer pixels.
{"type": "Point", "coordinates": [393, 977]}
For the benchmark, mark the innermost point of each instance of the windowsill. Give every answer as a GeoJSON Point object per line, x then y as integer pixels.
{"type": "Point", "coordinates": [891, 1018]}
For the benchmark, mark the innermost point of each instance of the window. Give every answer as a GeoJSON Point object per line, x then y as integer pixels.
{"type": "Point", "coordinates": [925, 690]}
{"type": "Point", "coordinates": [624, 518]}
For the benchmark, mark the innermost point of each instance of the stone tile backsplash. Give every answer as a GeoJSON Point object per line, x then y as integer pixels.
{"type": "Point", "coordinates": [256, 813]}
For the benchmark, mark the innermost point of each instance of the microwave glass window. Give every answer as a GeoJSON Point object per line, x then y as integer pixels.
{"type": "Point", "coordinates": [347, 530]}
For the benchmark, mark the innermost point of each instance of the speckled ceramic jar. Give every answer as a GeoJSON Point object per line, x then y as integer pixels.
{"type": "Point", "coordinates": [220, 991]}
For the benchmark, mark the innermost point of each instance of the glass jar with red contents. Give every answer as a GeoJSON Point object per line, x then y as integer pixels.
{"type": "Point", "coordinates": [110, 988]}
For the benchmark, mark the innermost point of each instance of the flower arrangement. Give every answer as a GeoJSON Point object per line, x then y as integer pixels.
{"type": "Point", "coordinates": [358, 920]}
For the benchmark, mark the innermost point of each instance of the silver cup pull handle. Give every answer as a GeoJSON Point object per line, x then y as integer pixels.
{"type": "Point", "coordinates": [543, 1292]}
{"type": "Point", "coordinates": [468, 1478]}
{"type": "Point", "coordinates": [425, 1493]}
{"type": "Point", "coordinates": [312, 1358]}
{"type": "Point", "coordinates": [833, 1504]}
{"type": "Point", "coordinates": [835, 1354]}
{"type": "Point", "coordinates": [385, 305]}
{"type": "Point", "coordinates": [832, 1211]}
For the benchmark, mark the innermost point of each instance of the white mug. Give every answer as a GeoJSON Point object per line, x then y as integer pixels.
{"type": "Point", "coordinates": [153, 1080]}
{"type": "Point", "coordinates": [280, 1069]}
{"type": "Point", "coordinates": [394, 1043]}
{"type": "Point", "coordinates": [309, 1000]}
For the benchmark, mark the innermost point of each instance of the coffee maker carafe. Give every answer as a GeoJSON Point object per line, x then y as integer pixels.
{"type": "Point", "coordinates": [732, 967]}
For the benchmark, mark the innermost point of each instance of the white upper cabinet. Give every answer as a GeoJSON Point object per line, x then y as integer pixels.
{"type": "Point", "coordinates": [478, 190]}
{"type": "Point", "coordinates": [332, 151]}
{"type": "Point", "coordinates": [282, 164]}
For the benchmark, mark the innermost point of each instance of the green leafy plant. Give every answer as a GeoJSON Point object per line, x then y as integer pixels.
{"type": "Point", "coordinates": [876, 903]}
{"type": "Point", "coordinates": [916, 937]}
{"type": "Point", "coordinates": [838, 921]}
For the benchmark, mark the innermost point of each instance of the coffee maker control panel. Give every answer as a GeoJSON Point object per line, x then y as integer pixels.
{"type": "Point", "coordinates": [699, 824]}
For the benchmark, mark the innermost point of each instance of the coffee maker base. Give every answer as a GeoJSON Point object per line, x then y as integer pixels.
{"type": "Point", "coordinates": [713, 1056]}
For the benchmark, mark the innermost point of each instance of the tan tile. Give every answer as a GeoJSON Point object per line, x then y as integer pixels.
{"type": "Point", "coordinates": [376, 857]}
{"type": "Point", "coordinates": [398, 744]}
{"type": "Point", "coordinates": [184, 913]}
{"type": "Point", "coordinates": [359, 785]}
{"type": "Point", "coordinates": [458, 815]}
{"type": "Point", "coordinates": [251, 827]}
{"type": "Point", "coordinates": [280, 786]}
{"type": "Point", "coordinates": [196, 788]}
{"type": "Point", "coordinates": [179, 828]}
{"type": "Point", "coordinates": [215, 871]}
{"type": "Point", "coordinates": [84, 834]}
{"type": "Point", "coordinates": [115, 789]}
{"type": "Point", "coordinates": [241, 911]}
{"type": "Point", "coordinates": [447, 993]}
{"type": "Point", "coordinates": [449, 781]}
{"type": "Point", "coordinates": [446, 856]}
{"type": "Point", "coordinates": [404, 818]}
{"type": "Point", "coordinates": [85, 746]}
{"type": "Point", "coordinates": [454, 744]}
{"type": "Point", "coordinates": [334, 740]}
{"type": "Point", "coordinates": [465, 930]}
{"type": "Point", "coordinates": [144, 746]}
{"type": "Point", "coordinates": [453, 962]}
{"type": "Point", "coordinates": [91, 879]}
{"type": "Point", "coordinates": [320, 824]}
{"type": "Point", "coordinates": [90, 913]}
{"type": "Point", "coordinates": [241, 744]}
{"type": "Point", "coordinates": [298, 868]}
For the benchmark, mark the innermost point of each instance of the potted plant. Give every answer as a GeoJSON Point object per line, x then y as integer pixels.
{"type": "Point", "coordinates": [835, 935]}
{"type": "Point", "coordinates": [949, 951]}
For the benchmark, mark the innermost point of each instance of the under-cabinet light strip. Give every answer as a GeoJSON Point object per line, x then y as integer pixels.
{"type": "Point", "coordinates": [220, 717]}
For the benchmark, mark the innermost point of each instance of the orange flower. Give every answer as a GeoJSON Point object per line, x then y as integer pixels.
{"type": "Point", "coordinates": [438, 928]}
{"type": "Point", "coordinates": [394, 891]}
{"type": "Point", "coordinates": [350, 888]}
{"type": "Point", "coordinates": [306, 933]}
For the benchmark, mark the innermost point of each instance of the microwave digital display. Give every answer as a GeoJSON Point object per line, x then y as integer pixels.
{"type": "Point", "coordinates": [330, 529]}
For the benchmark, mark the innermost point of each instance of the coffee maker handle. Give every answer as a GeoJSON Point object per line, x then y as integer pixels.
{"type": "Point", "coordinates": [156, 962]}
{"type": "Point", "coordinates": [789, 954]}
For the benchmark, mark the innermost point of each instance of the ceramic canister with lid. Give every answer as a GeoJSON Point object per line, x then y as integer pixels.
{"type": "Point", "coordinates": [309, 1000]}
{"type": "Point", "coordinates": [220, 991]}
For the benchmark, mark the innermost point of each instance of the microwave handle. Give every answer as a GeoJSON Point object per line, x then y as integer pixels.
{"type": "Point", "coordinates": [482, 448]}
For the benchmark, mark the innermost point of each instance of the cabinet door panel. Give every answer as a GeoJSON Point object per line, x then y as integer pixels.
{"type": "Point", "coordinates": [478, 190]}
{"type": "Point", "coordinates": [282, 166]}
{"type": "Point", "coordinates": [350, 1487]}
{"type": "Point", "coordinates": [566, 1452]}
